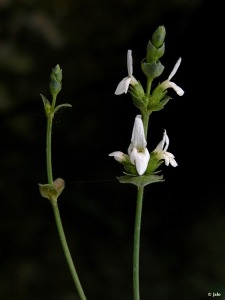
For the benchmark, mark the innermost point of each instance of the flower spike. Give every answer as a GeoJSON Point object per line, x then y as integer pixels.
{"type": "Point", "coordinates": [125, 82]}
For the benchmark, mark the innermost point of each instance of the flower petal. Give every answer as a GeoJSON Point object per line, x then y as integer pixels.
{"type": "Point", "coordinates": [133, 155]}
{"type": "Point", "coordinates": [141, 163]}
{"type": "Point", "coordinates": [173, 162]}
{"type": "Point", "coordinates": [129, 63]}
{"type": "Point", "coordinates": [175, 68]}
{"type": "Point", "coordinates": [133, 80]}
{"type": "Point", "coordinates": [118, 155]}
{"type": "Point", "coordinates": [138, 135]}
{"type": "Point", "coordinates": [166, 139]}
{"type": "Point", "coordinates": [166, 158]}
{"type": "Point", "coordinates": [123, 86]}
{"type": "Point", "coordinates": [176, 88]}
{"type": "Point", "coordinates": [161, 144]}
{"type": "Point", "coordinates": [130, 148]}
{"type": "Point", "coordinates": [169, 159]}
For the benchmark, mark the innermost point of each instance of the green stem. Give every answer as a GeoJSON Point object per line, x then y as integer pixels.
{"type": "Point", "coordinates": [66, 251]}
{"type": "Point", "coordinates": [49, 141]}
{"type": "Point", "coordinates": [53, 101]}
{"type": "Point", "coordinates": [148, 87]}
{"type": "Point", "coordinates": [145, 119]}
{"type": "Point", "coordinates": [146, 113]}
{"type": "Point", "coordinates": [137, 229]}
{"type": "Point", "coordinates": [49, 149]}
{"type": "Point", "coordinates": [55, 206]}
{"type": "Point", "coordinates": [140, 194]}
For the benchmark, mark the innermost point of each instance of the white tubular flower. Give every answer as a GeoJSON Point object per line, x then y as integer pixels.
{"type": "Point", "coordinates": [169, 84]}
{"type": "Point", "coordinates": [161, 152]}
{"type": "Point", "coordinates": [125, 82]}
{"type": "Point", "coordinates": [139, 154]}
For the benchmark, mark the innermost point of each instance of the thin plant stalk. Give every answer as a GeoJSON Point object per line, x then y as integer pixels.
{"type": "Point", "coordinates": [56, 209]}
{"type": "Point", "coordinates": [138, 214]}
{"type": "Point", "coordinates": [137, 231]}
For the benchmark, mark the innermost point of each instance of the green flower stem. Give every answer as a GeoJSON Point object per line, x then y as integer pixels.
{"type": "Point", "coordinates": [56, 209]}
{"type": "Point", "coordinates": [49, 141]}
{"type": "Point", "coordinates": [146, 114]}
{"type": "Point", "coordinates": [49, 149]}
{"type": "Point", "coordinates": [53, 102]}
{"type": "Point", "coordinates": [148, 87]}
{"type": "Point", "coordinates": [66, 251]}
{"type": "Point", "coordinates": [137, 225]}
{"type": "Point", "coordinates": [137, 229]}
{"type": "Point", "coordinates": [145, 119]}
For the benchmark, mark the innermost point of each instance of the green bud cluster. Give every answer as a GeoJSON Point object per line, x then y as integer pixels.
{"type": "Point", "coordinates": [55, 84]}
{"type": "Point", "coordinates": [151, 66]}
{"type": "Point", "coordinates": [55, 87]}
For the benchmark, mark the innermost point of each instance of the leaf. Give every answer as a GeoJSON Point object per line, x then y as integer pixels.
{"type": "Point", "coordinates": [52, 191]}
{"type": "Point", "coordinates": [140, 181]}
{"type": "Point", "coordinates": [61, 106]}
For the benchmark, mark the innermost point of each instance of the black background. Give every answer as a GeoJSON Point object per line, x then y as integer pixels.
{"type": "Point", "coordinates": [182, 236]}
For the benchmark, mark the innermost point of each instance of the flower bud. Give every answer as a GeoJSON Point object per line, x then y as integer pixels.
{"type": "Point", "coordinates": [152, 70]}
{"type": "Point", "coordinates": [55, 85]}
{"type": "Point", "coordinates": [56, 73]}
{"type": "Point", "coordinates": [153, 53]}
{"type": "Point", "coordinates": [158, 36]}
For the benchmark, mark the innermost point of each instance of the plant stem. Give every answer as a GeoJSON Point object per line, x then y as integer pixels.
{"type": "Point", "coordinates": [49, 149]}
{"type": "Point", "coordinates": [148, 86]}
{"type": "Point", "coordinates": [145, 119]}
{"type": "Point", "coordinates": [140, 195]}
{"type": "Point", "coordinates": [56, 209]}
{"type": "Point", "coordinates": [137, 229]}
{"type": "Point", "coordinates": [66, 251]}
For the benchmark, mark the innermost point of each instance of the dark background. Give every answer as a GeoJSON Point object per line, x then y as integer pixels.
{"type": "Point", "coordinates": [183, 225]}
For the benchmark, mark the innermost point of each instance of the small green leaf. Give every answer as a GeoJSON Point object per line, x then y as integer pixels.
{"type": "Point", "coordinates": [47, 105]}
{"type": "Point", "coordinates": [159, 105]}
{"type": "Point", "coordinates": [52, 191]}
{"type": "Point", "coordinates": [140, 181]}
{"type": "Point", "coordinates": [62, 105]}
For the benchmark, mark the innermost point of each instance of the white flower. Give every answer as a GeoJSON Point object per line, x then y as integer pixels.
{"type": "Point", "coordinates": [138, 153]}
{"type": "Point", "coordinates": [169, 84]}
{"type": "Point", "coordinates": [125, 82]}
{"type": "Point", "coordinates": [161, 152]}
